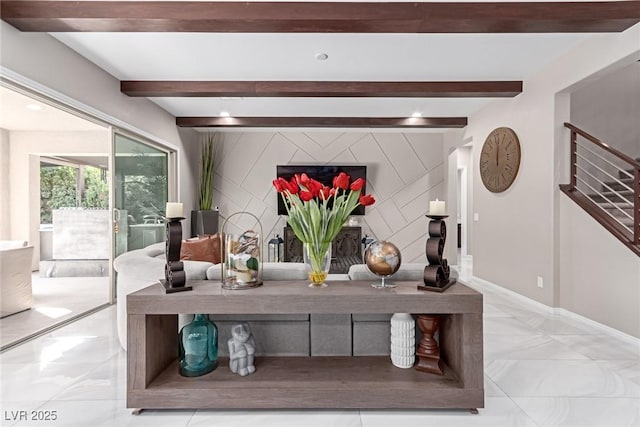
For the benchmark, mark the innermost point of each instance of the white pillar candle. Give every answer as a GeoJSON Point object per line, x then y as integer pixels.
{"type": "Point", "coordinates": [174, 210]}
{"type": "Point", "coordinates": [437, 207]}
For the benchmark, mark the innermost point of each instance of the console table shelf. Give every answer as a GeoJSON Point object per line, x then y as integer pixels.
{"type": "Point", "coordinates": [283, 382]}
{"type": "Point", "coordinates": [304, 382]}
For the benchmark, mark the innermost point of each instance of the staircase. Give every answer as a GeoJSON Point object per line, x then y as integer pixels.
{"type": "Point", "coordinates": [616, 198]}
{"type": "Point", "coordinates": [606, 184]}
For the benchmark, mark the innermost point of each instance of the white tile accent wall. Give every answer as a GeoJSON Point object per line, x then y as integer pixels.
{"type": "Point", "coordinates": [404, 172]}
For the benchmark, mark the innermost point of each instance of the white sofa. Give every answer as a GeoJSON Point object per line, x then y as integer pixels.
{"type": "Point", "coordinates": [142, 267]}
{"type": "Point", "coordinates": [16, 293]}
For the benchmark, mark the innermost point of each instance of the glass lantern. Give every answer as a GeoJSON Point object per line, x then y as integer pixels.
{"type": "Point", "coordinates": [242, 263]}
{"type": "Point", "coordinates": [276, 249]}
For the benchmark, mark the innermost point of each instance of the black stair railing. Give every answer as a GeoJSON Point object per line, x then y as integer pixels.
{"type": "Point", "coordinates": [606, 183]}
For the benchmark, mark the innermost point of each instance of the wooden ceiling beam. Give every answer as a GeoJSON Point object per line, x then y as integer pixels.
{"type": "Point", "coordinates": [320, 17]}
{"type": "Point", "coordinates": [335, 89]}
{"type": "Point", "coordinates": [324, 122]}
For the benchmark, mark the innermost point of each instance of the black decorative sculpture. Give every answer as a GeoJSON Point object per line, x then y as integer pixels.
{"type": "Point", "coordinates": [437, 275]}
{"type": "Point", "coordinates": [174, 275]}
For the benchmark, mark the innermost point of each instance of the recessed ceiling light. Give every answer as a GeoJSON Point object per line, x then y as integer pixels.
{"type": "Point", "coordinates": [225, 114]}
{"type": "Point", "coordinates": [322, 56]}
{"type": "Point", "coordinates": [34, 107]}
{"type": "Point", "coordinates": [416, 114]}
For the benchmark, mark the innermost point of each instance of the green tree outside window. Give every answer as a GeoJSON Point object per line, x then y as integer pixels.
{"type": "Point", "coordinates": [58, 189]}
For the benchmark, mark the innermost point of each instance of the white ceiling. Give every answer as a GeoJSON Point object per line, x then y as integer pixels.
{"type": "Point", "coordinates": [17, 112]}
{"type": "Point", "coordinates": [363, 57]}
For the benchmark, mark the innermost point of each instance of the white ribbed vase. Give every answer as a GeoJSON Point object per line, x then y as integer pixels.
{"type": "Point", "coordinates": [403, 340]}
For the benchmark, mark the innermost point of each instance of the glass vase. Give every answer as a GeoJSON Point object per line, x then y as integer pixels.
{"type": "Point", "coordinates": [317, 257]}
{"type": "Point", "coordinates": [198, 352]}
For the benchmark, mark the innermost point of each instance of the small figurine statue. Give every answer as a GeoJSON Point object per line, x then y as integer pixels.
{"type": "Point", "coordinates": [242, 348]}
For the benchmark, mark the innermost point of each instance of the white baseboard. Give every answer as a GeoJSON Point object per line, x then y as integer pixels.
{"type": "Point", "coordinates": [512, 294]}
{"type": "Point", "coordinates": [608, 330]}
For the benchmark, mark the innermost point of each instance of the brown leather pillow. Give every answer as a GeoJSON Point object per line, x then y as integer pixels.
{"type": "Point", "coordinates": [204, 248]}
{"type": "Point", "coordinates": [217, 246]}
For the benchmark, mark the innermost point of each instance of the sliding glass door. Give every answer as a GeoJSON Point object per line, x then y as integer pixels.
{"type": "Point", "coordinates": [140, 191]}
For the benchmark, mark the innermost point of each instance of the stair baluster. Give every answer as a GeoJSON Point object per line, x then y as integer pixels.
{"type": "Point", "coordinates": [606, 184]}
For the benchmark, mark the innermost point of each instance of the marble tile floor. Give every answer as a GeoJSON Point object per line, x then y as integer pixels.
{"type": "Point", "coordinates": [541, 369]}
{"type": "Point", "coordinates": [55, 299]}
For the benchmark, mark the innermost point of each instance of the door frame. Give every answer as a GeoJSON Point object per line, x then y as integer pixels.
{"type": "Point", "coordinates": [172, 186]}
{"type": "Point", "coordinates": [462, 195]}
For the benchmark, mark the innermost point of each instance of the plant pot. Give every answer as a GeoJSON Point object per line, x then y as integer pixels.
{"type": "Point", "coordinates": [204, 222]}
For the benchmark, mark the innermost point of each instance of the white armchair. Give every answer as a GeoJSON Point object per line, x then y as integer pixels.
{"type": "Point", "coordinates": [15, 277]}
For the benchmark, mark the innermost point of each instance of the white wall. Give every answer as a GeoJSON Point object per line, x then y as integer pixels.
{"type": "Point", "coordinates": [512, 241]}
{"type": "Point", "coordinates": [43, 59]}
{"type": "Point", "coordinates": [5, 218]}
{"type": "Point", "coordinates": [609, 109]}
{"type": "Point", "coordinates": [598, 272]}
{"type": "Point", "coordinates": [405, 171]}
{"type": "Point", "coordinates": [516, 237]}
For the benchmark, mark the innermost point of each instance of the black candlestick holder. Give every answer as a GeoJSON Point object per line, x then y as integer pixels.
{"type": "Point", "coordinates": [174, 276]}
{"type": "Point", "coordinates": [437, 275]}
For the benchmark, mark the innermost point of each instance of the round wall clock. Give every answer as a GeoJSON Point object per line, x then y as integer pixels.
{"type": "Point", "coordinates": [500, 159]}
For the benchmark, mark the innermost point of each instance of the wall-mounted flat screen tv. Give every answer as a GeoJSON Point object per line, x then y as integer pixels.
{"type": "Point", "coordinates": [324, 174]}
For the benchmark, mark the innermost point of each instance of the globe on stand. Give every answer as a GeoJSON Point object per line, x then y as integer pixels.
{"type": "Point", "coordinates": [382, 259]}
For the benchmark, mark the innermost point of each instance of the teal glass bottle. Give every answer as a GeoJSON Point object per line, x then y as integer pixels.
{"type": "Point", "coordinates": [198, 353]}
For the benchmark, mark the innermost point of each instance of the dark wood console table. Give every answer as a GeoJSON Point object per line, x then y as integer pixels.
{"type": "Point", "coordinates": [304, 382]}
{"type": "Point", "coordinates": [346, 249]}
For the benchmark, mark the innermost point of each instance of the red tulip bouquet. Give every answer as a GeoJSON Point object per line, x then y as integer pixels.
{"type": "Point", "coordinates": [316, 213]}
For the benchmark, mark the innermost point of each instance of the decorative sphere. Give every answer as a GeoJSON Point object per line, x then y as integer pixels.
{"type": "Point", "coordinates": [382, 258]}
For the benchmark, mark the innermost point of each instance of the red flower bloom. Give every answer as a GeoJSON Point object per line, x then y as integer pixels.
{"type": "Point", "coordinates": [305, 196]}
{"type": "Point", "coordinates": [314, 187]}
{"type": "Point", "coordinates": [280, 187]}
{"type": "Point", "coordinates": [292, 186]}
{"type": "Point", "coordinates": [302, 179]}
{"type": "Point", "coordinates": [325, 192]}
{"type": "Point", "coordinates": [367, 199]}
{"type": "Point", "coordinates": [341, 181]}
{"type": "Point", "coordinates": [357, 184]}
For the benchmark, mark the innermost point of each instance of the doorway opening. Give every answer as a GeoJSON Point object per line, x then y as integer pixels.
{"type": "Point", "coordinates": [464, 200]}
{"type": "Point", "coordinates": [55, 192]}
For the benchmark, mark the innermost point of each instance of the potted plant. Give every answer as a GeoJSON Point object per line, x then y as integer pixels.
{"type": "Point", "coordinates": [205, 220]}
